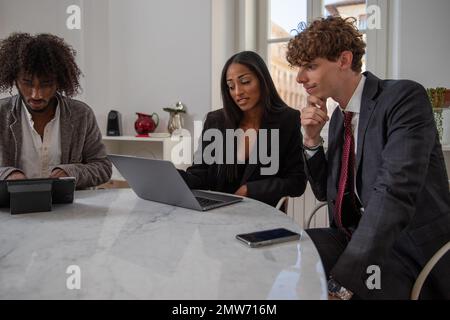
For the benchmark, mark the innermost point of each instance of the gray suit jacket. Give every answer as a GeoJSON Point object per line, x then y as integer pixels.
{"type": "Point", "coordinates": [401, 181]}
{"type": "Point", "coordinates": [83, 154]}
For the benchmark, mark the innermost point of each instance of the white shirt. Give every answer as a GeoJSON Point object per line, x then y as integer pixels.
{"type": "Point", "coordinates": [354, 105]}
{"type": "Point", "coordinates": [39, 156]}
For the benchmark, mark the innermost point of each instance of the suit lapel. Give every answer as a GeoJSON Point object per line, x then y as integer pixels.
{"type": "Point", "coordinates": [66, 130]}
{"type": "Point", "coordinates": [16, 129]}
{"type": "Point", "coordinates": [367, 107]}
{"type": "Point", "coordinates": [249, 169]}
{"type": "Point", "coordinates": [334, 153]}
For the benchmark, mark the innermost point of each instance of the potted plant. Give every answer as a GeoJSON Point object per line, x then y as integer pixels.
{"type": "Point", "coordinates": [437, 97]}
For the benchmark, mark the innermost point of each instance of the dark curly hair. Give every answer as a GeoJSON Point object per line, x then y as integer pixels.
{"type": "Point", "coordinates": [327, 38]}
{"type": "Point", "coordinates": [42, 55]}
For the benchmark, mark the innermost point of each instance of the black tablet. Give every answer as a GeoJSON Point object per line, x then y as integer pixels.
{"type": "Point", "coordinates": [62, 189]}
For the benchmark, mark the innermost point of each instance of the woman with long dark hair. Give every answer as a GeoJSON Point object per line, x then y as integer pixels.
{"type": "Point", "coordinates": [259, 153]}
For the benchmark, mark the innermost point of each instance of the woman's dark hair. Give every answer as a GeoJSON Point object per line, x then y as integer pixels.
{"type": "Point", "coordinates": [43, 55]}
{"type": "Point", "coordinates": [270, 99]}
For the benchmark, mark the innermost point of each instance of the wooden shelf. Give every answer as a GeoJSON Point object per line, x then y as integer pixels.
{"type": "Point", "coordinates": [152, 138]}
{"type": "Point", "coordinates": [158, 146]}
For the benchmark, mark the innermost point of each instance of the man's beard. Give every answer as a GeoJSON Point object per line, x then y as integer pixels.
{"type": "Point", "coordinates": [30, 110]}
{"type": "Point", "coordinates": [43, 110]}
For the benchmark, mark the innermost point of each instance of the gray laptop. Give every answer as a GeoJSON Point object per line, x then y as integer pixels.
{"type": "Point", "coordinates": [159, 180]}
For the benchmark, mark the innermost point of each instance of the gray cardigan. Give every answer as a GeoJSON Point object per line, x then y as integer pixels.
{"type": "Point", "coordinates": [83, 154]}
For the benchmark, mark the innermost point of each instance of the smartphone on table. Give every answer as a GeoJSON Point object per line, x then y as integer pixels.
{"type": "Point", "coordinates": [268, 237]}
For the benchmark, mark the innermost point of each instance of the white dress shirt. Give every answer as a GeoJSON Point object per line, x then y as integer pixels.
{"type": "Point", "coordinates": [40, 155]}
{"type": "Point", "coordinates": [354, 105]}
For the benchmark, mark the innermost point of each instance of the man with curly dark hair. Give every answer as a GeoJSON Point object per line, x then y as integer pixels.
{"type": "Point", "coordinates": [43, 132]}
{"type": "Point", "coordinates": [383, 175]}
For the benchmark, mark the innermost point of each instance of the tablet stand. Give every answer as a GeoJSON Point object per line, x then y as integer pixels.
{"type": "Point", "coordinates": [30, 197]}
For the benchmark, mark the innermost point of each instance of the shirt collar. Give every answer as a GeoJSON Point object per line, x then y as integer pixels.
{"type": "Point", "coordinates": [354, 105]}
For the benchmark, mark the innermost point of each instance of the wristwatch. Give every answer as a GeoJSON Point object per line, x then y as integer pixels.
{"type": "Point", "coordinates": [315, 148]}
{"type": "Point", "coordinates": [338, 291]}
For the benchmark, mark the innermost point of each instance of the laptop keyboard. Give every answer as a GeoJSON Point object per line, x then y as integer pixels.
{"type": "Point", "coordinates": [205, 202]}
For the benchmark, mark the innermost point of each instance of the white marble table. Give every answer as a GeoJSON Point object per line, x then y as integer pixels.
{"type": "Point", "coordinates": [128, 248]}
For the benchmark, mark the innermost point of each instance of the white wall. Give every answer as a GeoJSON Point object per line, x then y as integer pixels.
{"type": "Point", "coordinates": [420, 41]}
{"type": "Point", "coordinates": [143, 55]}
{"type": "Point", "coordinates": [136, 55]}
{"type": "Point", "coordinates": [224, 42]}
{"type": "Point", "coordinates": [419, 47]}
{"type": "Point", "coordinates": [43, 16]}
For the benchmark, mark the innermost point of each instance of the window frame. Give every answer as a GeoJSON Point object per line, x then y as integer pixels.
{"type": "Point", "coordinates": [239, 25]}
{"type": "Point", "coordinates": [377, 40]}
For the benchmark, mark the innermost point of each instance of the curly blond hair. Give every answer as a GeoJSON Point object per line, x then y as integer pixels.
{"type": "Point", "coordinates": [327, 38]}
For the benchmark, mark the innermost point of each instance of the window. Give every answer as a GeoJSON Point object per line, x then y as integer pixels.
{"type": "Point", "coordinates": [284, 16]}
{"type": "Point", "coordinates": [265, 26]}
{"type": "Point", "coordinates": [353, 8]}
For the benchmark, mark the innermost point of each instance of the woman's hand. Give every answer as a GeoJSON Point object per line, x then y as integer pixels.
{"type": "Point", "coordinates": [242, 191]}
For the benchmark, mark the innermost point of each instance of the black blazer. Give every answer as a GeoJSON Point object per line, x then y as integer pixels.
{"type": "Point", "coordinates": [401, 181]}
{"type": "Point", "coordinates": [290, 180]}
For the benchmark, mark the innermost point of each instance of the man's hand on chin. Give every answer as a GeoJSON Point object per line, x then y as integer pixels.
{"type": "Point", "coordinates": [313, 118]}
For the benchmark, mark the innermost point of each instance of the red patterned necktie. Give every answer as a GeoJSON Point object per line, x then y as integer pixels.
{"type": "Point", "coordinates": [347, 170]}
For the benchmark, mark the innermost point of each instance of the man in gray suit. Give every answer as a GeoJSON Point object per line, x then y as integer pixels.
{"type": "Point", "coordinates": [43, 132]}
{"type": "Point", "coordinates": [383, 175]}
